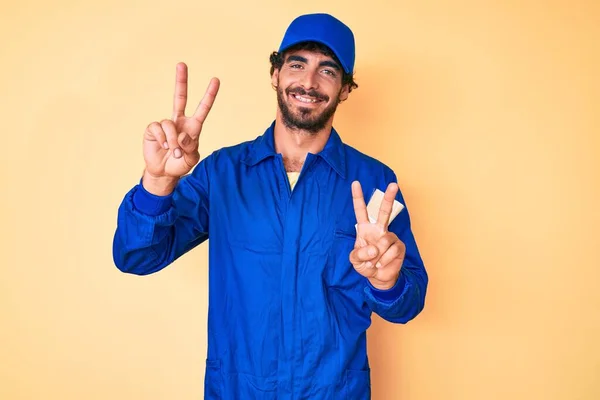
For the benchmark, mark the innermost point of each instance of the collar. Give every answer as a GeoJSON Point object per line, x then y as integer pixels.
{"type": "Point", "coordinates": [264, 147]}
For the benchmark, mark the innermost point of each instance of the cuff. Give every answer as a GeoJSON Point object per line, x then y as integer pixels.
{"type": "Point", "coordinates": [151, 204]}
{"type": "Point", "coordinates": [389, 295]}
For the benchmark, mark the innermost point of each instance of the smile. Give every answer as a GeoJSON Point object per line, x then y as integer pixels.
{"type": "Point", "coordinates": [304, 99]}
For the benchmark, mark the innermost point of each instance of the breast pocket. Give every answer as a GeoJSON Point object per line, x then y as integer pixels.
{"type": "Point", "coordinates": [341, 273]}
{"type": "Point", "coordinates": [255, 236]}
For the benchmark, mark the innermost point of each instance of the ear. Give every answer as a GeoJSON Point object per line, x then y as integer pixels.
{"type": "Point", "coordinates": [275, 79]}
{"type": "Point", "coordinates": [344, 93]}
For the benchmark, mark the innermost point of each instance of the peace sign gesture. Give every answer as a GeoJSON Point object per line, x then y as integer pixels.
{"type": "Point", "coordinates": [171, 146]}
{"type": "Point", "coordinates": [378, 253]}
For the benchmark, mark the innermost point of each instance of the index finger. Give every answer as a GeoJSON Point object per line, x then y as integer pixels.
{"type": "Point", "coordinates": [387, 204]}
{"type": "Point", "coordinates": [208, 100]}
{"type": "Point", "coordinates": [181, 85]}
{"type": "Point", "coordinates": [360, 208]}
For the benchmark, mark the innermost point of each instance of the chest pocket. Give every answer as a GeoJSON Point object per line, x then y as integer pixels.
{"type": "Point", "coordinates": [255, 236]}
{"type": "Point", "coordinates": [341, 273]}
{"type": "Point", "coordinates": [250, 225]}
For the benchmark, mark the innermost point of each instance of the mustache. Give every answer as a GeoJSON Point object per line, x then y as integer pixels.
{"type": "Point", "coordinates": [311, 93]}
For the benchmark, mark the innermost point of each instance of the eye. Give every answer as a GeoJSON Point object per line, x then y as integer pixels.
{"type": "Point", "coordinates": [329, 72]}
{"type": "Point", "coordinates": [295, 66]}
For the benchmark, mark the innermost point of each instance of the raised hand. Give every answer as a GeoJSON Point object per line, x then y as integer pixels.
{"type": "Point", "coordinates": [171, 145]}
{"type": "Point", "coordinates": [378, 253]}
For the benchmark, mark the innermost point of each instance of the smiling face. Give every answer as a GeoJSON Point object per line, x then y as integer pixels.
{"type": "Point", "coordinates": [309, 89]}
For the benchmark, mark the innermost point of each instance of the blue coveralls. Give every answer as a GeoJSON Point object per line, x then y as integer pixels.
{"type": "Point", "coordinates": [287, 313]}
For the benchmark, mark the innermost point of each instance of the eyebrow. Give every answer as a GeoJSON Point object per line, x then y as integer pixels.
{"type": "Point", "coordinates": [327, 63]}
{"type": "Point", "coordinates": [296, 58]}
{"type": "Point", "coordinates": [331, 64]}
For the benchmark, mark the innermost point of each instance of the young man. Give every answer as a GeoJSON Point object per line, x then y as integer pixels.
{"type": "Point", "coordinates": [298, 261]}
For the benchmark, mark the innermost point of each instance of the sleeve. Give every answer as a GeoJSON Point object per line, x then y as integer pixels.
{"type": "Point", "coordinates": [153, 231]}
{"type": "Point", "coordinates": [406, 299]}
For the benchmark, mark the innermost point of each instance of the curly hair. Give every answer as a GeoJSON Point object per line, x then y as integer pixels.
{"type": "Point", "coordinates": [277, 60]}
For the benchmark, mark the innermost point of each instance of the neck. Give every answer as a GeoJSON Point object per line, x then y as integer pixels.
{"type": "Point", "coordinates": [295, 144]}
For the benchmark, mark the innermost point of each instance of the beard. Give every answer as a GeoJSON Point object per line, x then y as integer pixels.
{"type": "Point", "coordinates": [306, 119]}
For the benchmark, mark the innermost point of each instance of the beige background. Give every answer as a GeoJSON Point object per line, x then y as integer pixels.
{"type": "Point", "coordinates": [487, 110]}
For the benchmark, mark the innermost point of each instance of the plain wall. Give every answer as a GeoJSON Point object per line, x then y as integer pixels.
{"type": "Point", "coordinates": [488, 111]}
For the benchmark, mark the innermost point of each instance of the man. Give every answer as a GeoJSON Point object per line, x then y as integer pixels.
{"type": "Point", "coordinates": [297, 260]}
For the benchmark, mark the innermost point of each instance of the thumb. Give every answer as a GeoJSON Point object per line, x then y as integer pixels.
{"type": "Point", "coordinates": [362, 254]}
{"type": "Point", "coordinates": [188, 145]}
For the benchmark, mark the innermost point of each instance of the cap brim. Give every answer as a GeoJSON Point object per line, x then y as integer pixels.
{"type": "Point", "coordinates": [316, 40]}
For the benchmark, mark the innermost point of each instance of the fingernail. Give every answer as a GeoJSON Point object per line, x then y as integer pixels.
{"type": "Point", "coordinates": [371, 252]}
{"type": "Point", "coordinates": [369, 264]}
{"type": "Point", "coordinates": [166, 145]}
{"type": "Point", "coordinates": [378, 265]}
{"type": "Point", "coordinates": [177, 153]}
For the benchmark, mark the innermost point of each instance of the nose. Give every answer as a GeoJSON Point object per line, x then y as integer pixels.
{"type": "Point", "coordinates": [309, 80]}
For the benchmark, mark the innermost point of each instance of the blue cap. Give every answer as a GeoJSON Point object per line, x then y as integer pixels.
{"type": "Point", "coordinates": [324, 29]}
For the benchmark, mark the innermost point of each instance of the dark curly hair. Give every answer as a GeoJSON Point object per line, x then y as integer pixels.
{"type": "Point", "coordinates": [277, 60]}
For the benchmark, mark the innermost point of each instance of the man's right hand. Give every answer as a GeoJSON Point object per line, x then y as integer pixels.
{"type": "Point", "coordinates": [171, 145]}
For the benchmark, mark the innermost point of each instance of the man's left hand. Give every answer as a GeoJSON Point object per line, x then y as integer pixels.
{"type": "Point", "coordinates": [378, 253]}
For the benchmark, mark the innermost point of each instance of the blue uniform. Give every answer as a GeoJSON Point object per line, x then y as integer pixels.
{"type": "Point", "coordinates": [287, 314]}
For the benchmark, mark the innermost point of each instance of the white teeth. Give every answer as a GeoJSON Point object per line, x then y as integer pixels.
{"type": "Point", "coordinates": [304, 99]}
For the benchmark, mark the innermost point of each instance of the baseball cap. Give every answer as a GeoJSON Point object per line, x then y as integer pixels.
{"type": "Point", "coordinates": [325, 29]}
